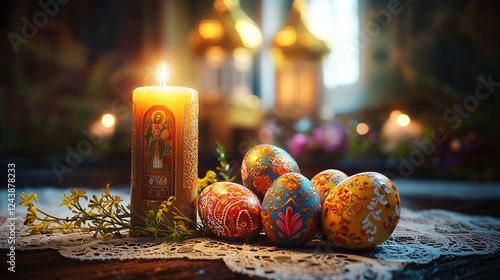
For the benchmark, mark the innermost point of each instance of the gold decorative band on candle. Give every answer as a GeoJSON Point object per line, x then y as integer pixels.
{"type": "Point", "coordinates": [164, 148]}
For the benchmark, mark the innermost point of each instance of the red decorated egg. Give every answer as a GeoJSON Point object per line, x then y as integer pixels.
{"type": "Point", "coordinates": [362, 211]}
{"type": "Point", "coordinates": [230, 210]}
{"type": "Point", "coordinates": [262, 165]}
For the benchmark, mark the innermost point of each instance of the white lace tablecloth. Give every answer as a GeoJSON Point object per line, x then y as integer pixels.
{"type": "Point", "coordinates": [420, 237]}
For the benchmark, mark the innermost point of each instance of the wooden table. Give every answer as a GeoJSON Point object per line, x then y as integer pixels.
{"type": "Point", "coordinates": [48, 264]}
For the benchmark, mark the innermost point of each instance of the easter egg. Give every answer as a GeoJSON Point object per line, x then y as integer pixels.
{"type": "Point", "coordinates": [230, 210]}
{"type": "Point", "coordinates": [262, 165]}
{"type": "Point", "coordinates": [362, 211]}
{"type": "Point", "coordinates": [326, 180]}
{"type": "Point", "coordinates": [291, 211]}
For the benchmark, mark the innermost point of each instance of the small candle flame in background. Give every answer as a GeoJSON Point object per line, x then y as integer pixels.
{"type": "Point", "coordinates": [163, 75]}
{"type": "Point", "coordinates": [400, 118]}
{"type": "Point", "coordinates": [398, 128]}
{"type": "Point", "coordinates": [108, 120]}
{"type": "Point", "coordinates": [395, 114]}
{"type": "Point", "coordinates": [403, 120]}
{"type": "Point", "coordinates": [103, 127]}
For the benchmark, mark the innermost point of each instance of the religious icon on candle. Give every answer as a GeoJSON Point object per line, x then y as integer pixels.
{"type": "Point", "coordinates": [159, 145]}
{"type": "Point", "coordinates": [164, 148]}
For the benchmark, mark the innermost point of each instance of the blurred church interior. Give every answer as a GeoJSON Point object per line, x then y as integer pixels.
{"type": "Point", "coordinates": [355, 85]}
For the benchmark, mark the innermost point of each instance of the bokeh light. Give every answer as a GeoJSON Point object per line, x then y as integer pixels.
{"type": "Point", "coordinates": [250, 34]}
{"type": "Point", "coordinates": [210, 29]}
{"type": "Point", "coordinates": [403, 120]}
{"type": "Point", "coordinates": [362, 128]}
{"type": "Point", "coordinates": [455, 145]}
{"type": "Point", "coordinates": [108, 120]}
{"type": "Point", "coordinates": [395, 114]}
{"type": "Point", "coordinates": [286, 37]}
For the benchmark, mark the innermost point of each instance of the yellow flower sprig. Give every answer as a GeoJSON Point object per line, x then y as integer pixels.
{"type": "Point", "coordinates": [158, 226]}
{"type": "Point", "coordinates": [106, 216]}
{"type": "Point", "coordinates": [210, 178]}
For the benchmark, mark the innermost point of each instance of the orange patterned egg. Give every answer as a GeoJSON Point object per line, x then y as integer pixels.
{"type": "Point", "coordinates": [262, 165]}
{"type": "Point", "coordinates": [230, 210]}
{"type": "Point", "coordinates": [326, 180]}
{"type": "Point", "coordinates": [362, 211]}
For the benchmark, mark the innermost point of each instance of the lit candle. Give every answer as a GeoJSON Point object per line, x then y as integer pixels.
{"type": "Point", "coordinates": [164, 147]}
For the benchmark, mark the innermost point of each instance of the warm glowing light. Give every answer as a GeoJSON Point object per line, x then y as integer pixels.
{"type": "Point", "coordinates": [231, 3]}
{"type": "Point", "coordinates": [242, 59]}
{"type": "Point", "coordinates": [108, 120]}
{"type": "Point", "coordinates": [210, 29]}
{"type": "Point", "coordinates": [320, 10]}
{"type": "Point", "coordinates": [163, 75]}
{"type": "Point", "coordinates": [455, 145]}
{"type": "Point", "coordinates": [400, 118]}
{"type": "Point", "coordinates": [299, 5]}
{"type": "Point", "coordinates": [395, 114]}
{"type": "Point", "coordinates": [286, 83]}
{"type": "Point", "coordinates": [215, 56]}
{"type": "Point", "coordinates": [278, 55]}
{"type": "Point", "coordinates": [250, 34]}
{"type": "Point", "coordinates": [286, 37]}
{"type": "Point", "coordinates": [403, 120]}
{"type": "Point", "coordinates": [362, 128]}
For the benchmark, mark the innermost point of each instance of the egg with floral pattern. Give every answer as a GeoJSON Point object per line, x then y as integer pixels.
{"type": "Point", "coordinates": [291, 211]}
{"type": "Point", "coordinates": [324, 182]}
{"type": "Point", "coordinates": [362, 211]}
{"type": "Point", "coordinates": [230, 210]}
{"type": "Point", "coordinates": [262, 165]}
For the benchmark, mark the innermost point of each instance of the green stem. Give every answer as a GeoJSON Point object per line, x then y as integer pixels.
{"type": "Point", "coordinates": [50, 216]}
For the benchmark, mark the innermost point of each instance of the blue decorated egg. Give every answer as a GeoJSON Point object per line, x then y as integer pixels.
{"type": "Point", "coordinates": [291, 211]}
{"type": "Point", "coordinates": [262, 165]}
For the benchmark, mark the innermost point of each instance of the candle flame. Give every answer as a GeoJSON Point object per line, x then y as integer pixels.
{"type": "Point", "coordinates": [163, 75]}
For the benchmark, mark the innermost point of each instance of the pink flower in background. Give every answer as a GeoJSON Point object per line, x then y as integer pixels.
{"type": "Point", "coordinates": [329, 137]}
{"type": "Point", "coordinates": [291, 222]}
{"type": "Point", "coordinates": [297, 144]}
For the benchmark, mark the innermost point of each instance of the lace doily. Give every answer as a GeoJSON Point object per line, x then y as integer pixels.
{"type": "Point", "coordinates": [419, 238]}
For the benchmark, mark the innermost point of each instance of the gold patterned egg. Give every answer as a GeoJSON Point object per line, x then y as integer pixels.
{"type": "Point", "coordinates": [262, 165]}
{"type": "Point", "coordinates": [362, 211]}
{"type": "Point", "coordinates": [326, 180]}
